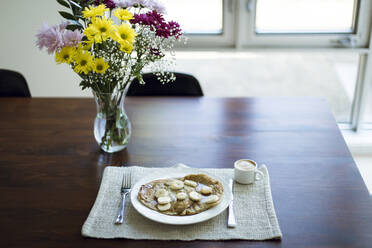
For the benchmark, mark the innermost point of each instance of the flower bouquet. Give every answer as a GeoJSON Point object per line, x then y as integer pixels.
{"type": "Point", "coordinates": [108, 44]}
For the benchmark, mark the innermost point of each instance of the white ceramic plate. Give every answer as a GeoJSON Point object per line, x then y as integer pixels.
{"type": "Point", "coordinates": [179, 220]}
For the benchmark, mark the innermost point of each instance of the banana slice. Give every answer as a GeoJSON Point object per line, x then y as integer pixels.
{"type": "Point", "coordinates": [189, 189]}
{"type": "Point", "coordinates": [195, 196]}
{"type": "Point", "coordinates": [161, 192]}
{"type": "Point", "coordinates": [191, 183]}
{"type": "Point", "coordinates": [164, 200]}
{"type": "Point", "coordinates": [181, 196]}
{"type": "Point", "coordinates": [196, 207]}
{"type": "Point", "coordinates": [211, 199]}
{"type": "Point", "coordinates": [176, 185]}
{"type": "Point", "coordinates": [164, 207]}
{"type": "Point", "coordinates": [205, 190]}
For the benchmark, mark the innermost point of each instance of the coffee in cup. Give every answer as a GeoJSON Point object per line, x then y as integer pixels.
{"type": "Point", "coordinates": [246, 171]}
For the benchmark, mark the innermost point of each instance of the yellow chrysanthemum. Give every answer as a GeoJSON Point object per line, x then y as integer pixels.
{"type": "Point", "coordinates": [87, 45]}
{"type": "Point", "coordinates": [123, 34]}
{"type": "Point", "coordinates": [84, 62]}
{"type": "Point", "coordinates": [84, 46]}
{"type": "Point", "coordinates": [91, 33]}
{"type": "Point", "coordinates": [92, 11]}
{"type": "Point", "coordinates": [66, 55]}
{"type": "Point", "coordinates": [100, 66]}
{"type": "Point", "coordinates": [126, 47]}
{"type": "Point", "coordinates": [99, 30]}
{"type": "Point", "coordinates": [123, 14]}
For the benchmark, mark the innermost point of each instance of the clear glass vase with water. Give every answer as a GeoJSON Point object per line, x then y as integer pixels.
{"type": "Point", "coordinates": [112, 128]}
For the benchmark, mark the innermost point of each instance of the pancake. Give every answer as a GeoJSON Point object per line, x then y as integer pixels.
{"type": "Point", "coordinates": [188, 195]}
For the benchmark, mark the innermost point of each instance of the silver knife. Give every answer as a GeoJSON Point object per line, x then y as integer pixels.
{"type": "Point", "coordinates": [231, 222]}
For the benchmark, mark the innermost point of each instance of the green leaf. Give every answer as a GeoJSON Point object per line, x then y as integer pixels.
{"type": "Point", "coordinates": [84, 84]}
{"type": "Point", "coordinates": [74, 27]}
{"type": "Point", "coordinates": [73, 22]}
{"type": "Point", "coordinates": [76, 8]}
{"type": "Point", "coordinates": [63, 3]}
{"type": "Point", "coordinates": [75, 4]}
{"type": "Point", "coordinates": [67, 15]}
{"type": "Point", "coordinates": [139, 78]}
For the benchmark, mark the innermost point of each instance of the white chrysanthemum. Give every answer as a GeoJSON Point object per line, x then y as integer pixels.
{"type": "Point", "coordinates": [156, 5]}
{"type": "Point", "coordinates": [122, 3]}
{"type": "Point", "coordinates": [150, 4]}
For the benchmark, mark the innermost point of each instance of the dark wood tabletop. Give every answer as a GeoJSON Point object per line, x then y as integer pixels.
{"type": "Point", "coordinates": [51, 166]}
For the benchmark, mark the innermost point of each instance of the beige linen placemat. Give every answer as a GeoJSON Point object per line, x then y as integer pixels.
{"type": "Point", "coordinates": [253, 206]}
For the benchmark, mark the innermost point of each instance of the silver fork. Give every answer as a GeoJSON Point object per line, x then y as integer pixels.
{"type": "Point", "coordinates": [124, 191]}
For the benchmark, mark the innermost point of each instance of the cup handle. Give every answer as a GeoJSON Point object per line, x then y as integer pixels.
{"type": "Point", "coordinates": [258, 175]}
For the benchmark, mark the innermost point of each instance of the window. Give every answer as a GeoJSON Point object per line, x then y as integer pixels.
{"type": "Point", "coordinates": [207, 18]}
{"type": "Point", "coordinates": [304, 16]}
{"type": "Point", "coordinates": [304, 23]}
{"type": "Point", "coordinates": [207, 23]}
{"type": "Point", "coordinates": [316, 34]}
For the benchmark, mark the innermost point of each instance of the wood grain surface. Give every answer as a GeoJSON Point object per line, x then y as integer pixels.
{"type": "Point", "coordinates": [51, 166]}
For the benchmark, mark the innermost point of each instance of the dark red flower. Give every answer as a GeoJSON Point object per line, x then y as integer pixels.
{"type": "Point", "coordinates": [141, 19]}
{"type": "Point", "coordinates": [109, 3]}
{"type": "Point", "coordinates": [175, 29]}
{"type": "Point", "coordinates": [157, 23]}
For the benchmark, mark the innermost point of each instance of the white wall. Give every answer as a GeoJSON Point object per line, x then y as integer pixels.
{"type": "Point", "coordinates": [19, 22]}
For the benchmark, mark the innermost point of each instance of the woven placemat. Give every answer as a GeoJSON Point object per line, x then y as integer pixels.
{"type": "Point", "coordinates": [253, 206]}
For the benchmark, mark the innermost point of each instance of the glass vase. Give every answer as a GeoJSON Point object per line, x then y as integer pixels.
{"type": "Point", "coordinates": [112, 128]}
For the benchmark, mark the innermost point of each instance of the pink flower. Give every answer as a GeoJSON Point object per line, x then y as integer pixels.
{"type": "Point", "coordinates": [63, 25]}
{"type": "Point", "coordinates": [50, 37]}
{"type": "Point", "coordinates": [72, 38]}
{"type": "Point", "coordinates": [57, 36]}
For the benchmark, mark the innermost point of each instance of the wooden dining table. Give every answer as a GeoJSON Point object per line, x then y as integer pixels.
{"type": "Point", "coordinates": [51, 165]}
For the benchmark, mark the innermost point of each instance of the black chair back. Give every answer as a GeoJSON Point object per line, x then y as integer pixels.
{"type": "Point", "coordinates": [185, 85]}
{"type": "Point", "coordinates": [13, 84]}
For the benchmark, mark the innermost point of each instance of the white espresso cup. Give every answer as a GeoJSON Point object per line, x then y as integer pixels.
{"type": "Point", "coordinates": [246, 171]}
